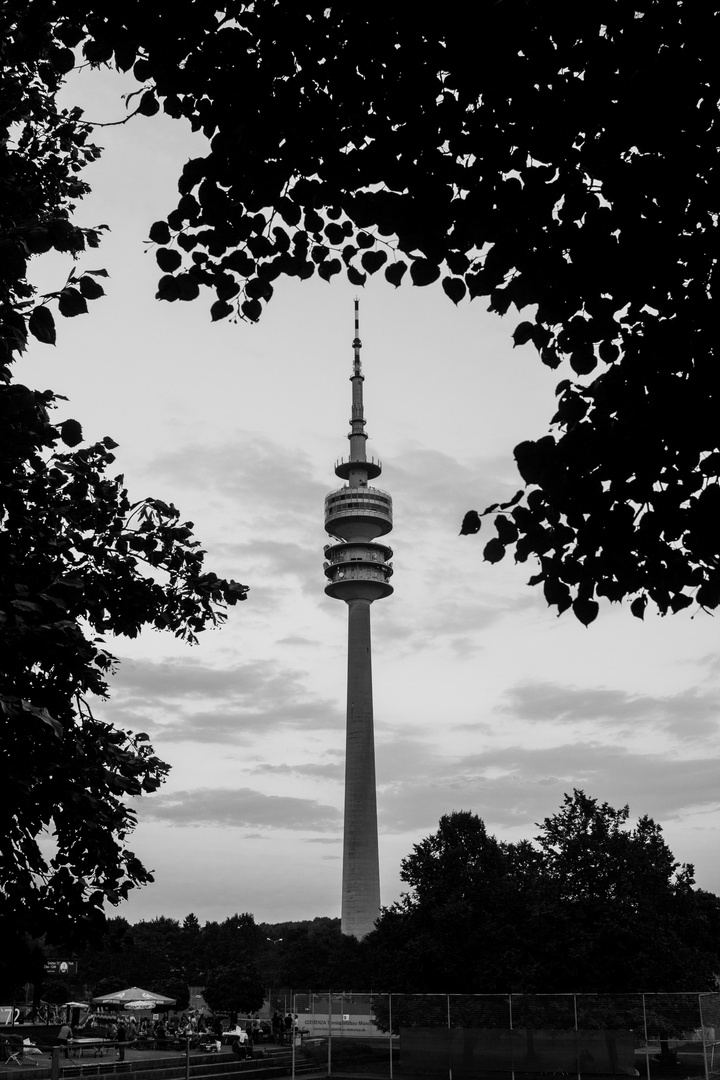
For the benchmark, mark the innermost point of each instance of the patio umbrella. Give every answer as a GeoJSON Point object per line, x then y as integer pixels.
{"type": "Point", "coordinates": [134, 993]}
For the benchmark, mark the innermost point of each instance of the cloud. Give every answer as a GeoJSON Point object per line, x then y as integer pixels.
{"type": "Point", "coordinates": [687, 715]}
{"type": "Point", "coordinates": [275, 559]}
{"type": "Point", "coordinates": [298, 639]}
{"type": "Point", "coordinates": [240, 808]}
{"type": "Point", "coordinates": [513, 787]}
{"type": "Point", "coordinates": [207, 703]}
{"type": "Point", "coordinates": [447, 616]}
{"type": "Point", "coordinates": [250, 470]}
{"type": "Point", "coordinates": [437, 489]}
{"type": "Point", "coordinates": [311, 769]}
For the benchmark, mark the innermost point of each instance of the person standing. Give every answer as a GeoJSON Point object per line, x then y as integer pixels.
{"type": "Point", "coordinates": [122, 1039]}
{"type": "Point", "coordinates": [65, 1037]}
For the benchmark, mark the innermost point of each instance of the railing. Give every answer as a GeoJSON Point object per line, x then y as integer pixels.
{"type": "Point", "coordinates": [351, 492]}
{"type": "Point", "coordinates": [351, 461]}
{"type": "Point", "coordinates": [510, 1036]}
{"type": "Point", "coordinates": [356, 571]}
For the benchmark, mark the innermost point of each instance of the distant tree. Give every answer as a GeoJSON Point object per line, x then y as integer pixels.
{"type": "Point", "coordinates": [174, 986]}
{"type": "Point", "coordinates": [624, 914]}
{"type": "Point", "coordinates": [56, 991]}
{"type": "Point", "coordinates": [463, 926]}
{"type": "Point", "coordinates": [236, 940]}
{"type": "Point", "coordinates": [157, 959]}
{"type": "Point", "coordinates": [318, 956]}
{"type": "Point", "coordinates": [234, 988]}
{"type": "Point", "coordinates": [192, 947]}
{"type": "Point", "coordinates": [111, 985]}
{"type": "Point", "coordinates": [150, 954]}
{"type": "Point", "coordinates": [591, 906]}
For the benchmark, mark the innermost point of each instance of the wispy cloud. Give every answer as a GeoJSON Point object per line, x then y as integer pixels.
{"type": "Point", "coordinates": [240, 808]}
{"type": "Point", "coordinates": [688, 715]}
{"type": "Point", "coordinates": [206, 703]}
{"type": "Point", "coordinates": [516, 786]}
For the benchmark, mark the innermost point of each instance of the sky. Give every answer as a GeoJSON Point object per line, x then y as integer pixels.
{"type": "Point", "coordinates": [484, 699]}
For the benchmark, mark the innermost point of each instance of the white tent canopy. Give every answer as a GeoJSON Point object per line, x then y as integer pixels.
{"type": "Point", "coordinates": [135, 998]}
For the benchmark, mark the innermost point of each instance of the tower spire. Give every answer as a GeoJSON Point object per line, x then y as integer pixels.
{"type": "Point", "coordinates": [357, 435]}
{"type": "Point", "coordinates": [358, 572]}
{"type": "Point", "coordinates": [357, 343]}
{"type": "Point", "coordinates": [357, 470]}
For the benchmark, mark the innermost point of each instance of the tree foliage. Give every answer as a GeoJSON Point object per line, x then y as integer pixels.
{"type": "Point", "coordinates": [166, 956]}
{"type": "Point", "coordinates": [235, 988]}
{"type": "Point", "coordinates": [149, 954]}
{"type": "Point", "coordinates": [314, 954]}
{"type": "Point", "coordinates": [592, 905]}
{"type": "Point", "coordinates": [78, 559]}
{"type": "Point", "coordinates": [560, 162]}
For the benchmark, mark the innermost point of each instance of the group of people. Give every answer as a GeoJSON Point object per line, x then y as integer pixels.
{"type": "Point", "coordinates": [277, 1030]}
{"type": "Point", "coordinates": [282, 1027]}
{"type": "Point", "coordinates": [120, 1032]}
{"type": "Point", "coordinates": [129, 1029]}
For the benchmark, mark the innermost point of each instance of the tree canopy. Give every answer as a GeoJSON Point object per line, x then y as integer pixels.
{"type": "Point", "coordinates": [591, 905]}
{"type": "Point", "coordinates": [235, 988]}
{"type": "Point", "coordinates": [78, 559]}
{"type": "Point", "coordinates": [559, 161]}
{"type": "Point", "coordinates": [163, 955]}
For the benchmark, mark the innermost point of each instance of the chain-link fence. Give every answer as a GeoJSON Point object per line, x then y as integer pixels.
{"type": "Point", "coordinates": [506, 1036]}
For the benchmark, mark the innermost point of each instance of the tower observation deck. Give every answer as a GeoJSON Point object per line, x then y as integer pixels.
{"type": "Point", "coordinates": [358, 570]}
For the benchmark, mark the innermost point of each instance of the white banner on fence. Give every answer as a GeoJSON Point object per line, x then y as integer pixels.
{"type": "Point", "coordinates": [343, 1025]}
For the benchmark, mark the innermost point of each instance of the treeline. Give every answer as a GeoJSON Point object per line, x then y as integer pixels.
{"type": "Point", "coordinates": [169, 956]}
{"type": "Point", "coordinates": [591, 905]}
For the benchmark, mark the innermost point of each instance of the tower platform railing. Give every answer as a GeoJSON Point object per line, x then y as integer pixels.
{"type": "Point", "coordinates": [358, 492]}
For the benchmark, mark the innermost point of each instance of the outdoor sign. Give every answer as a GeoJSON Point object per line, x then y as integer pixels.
{"type": "Point", "coordinates": [61, 967]}
{"type": "Point", "coordinates": [343, 1025]}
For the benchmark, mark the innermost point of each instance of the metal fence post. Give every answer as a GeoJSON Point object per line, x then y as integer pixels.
{"type": "Point", "coordinates": [647, 1046]}
{"type": "Point", "coordinates": [390, 1033]}
{"type": "Point", "coordinates": [702, 1036]}
{"type": "Point", "coordinates": [293, 1029]}
{"type": "Point", "coordinates": [577, 1037]}
{"type": "Point", "coordinates": [187, 1057]}
{"type": "Point", "coordinates": [449, 1030]}
{"type": "Point", "coordinates": [512, 1040]}
{"type": "Point", "coordinates": [329, 1067]}
{"type": "Point", "coordinates": [55, 1063]}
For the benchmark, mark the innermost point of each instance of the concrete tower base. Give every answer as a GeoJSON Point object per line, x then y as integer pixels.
{"type": "Point", "coordinates": [361, 877]}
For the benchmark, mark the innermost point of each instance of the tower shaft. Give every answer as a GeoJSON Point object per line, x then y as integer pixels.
{"type": "Point", "coordinates": [358, 571]}
{"type": "Point", "coordinates": [361, 875]}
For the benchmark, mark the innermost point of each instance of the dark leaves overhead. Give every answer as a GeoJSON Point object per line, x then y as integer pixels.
{"type": "Point", "coordinates": [570, 171]}
{"type": "Point", "coordinates": [41, 325]}
{"type": "Point", "coordinates": [471, 523]}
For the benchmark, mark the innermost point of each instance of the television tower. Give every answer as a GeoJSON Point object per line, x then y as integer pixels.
{"type": "Point", "coordinates": [358, 572]}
